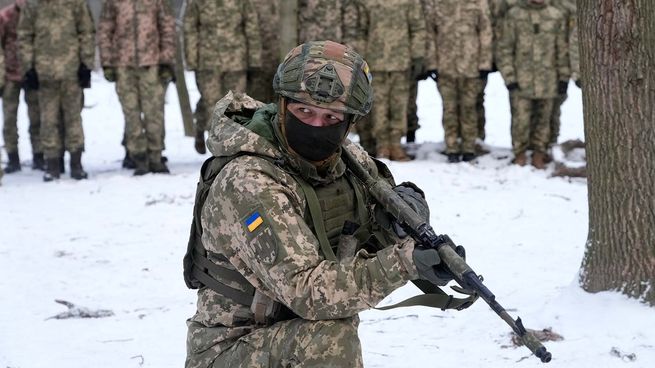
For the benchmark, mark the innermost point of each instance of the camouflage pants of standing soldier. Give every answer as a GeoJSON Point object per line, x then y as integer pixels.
{"type": "Point", "coordinates": [60, 97]}
{"type": "Point", "coordinates": [479, 108]}
{"type": "Point", "coordinates": [297, 343]}
{"type": "Point", "coordinates": [391, 93]}
{"type": "Point", "coordinates": [531, 124]}
{"type": "Point", "coordinates": [412, 110]}
{"type": "Point", "coordinates": [141, 95]}
{"type": "Point", "coordinates": [213, 86]}
{"type": "Point", "coordinates": [460, 120]}
{"type": "Point", "coordinates": [555, 121]}
{"type": "Point", "coordinates": [10, 101]}
{"type": "Point", "coordinates": [260, 85]}
{"type": "Point", "coordinates": [364, 129]}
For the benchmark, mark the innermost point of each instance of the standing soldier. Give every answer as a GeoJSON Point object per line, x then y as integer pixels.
{"type": "Point", "coordinates": [260, 80]}
{"type": "Point", "coordinates": [533, 58]}
{"type": "Point", "coordinates": [137, 50]}
{"type": "Point", "coordinates": [464, 57]}
{"type": "Point", "coordinates": [320, 20]}
{"type": "Point", "coordinates": [222, 41]}
{"type": "Point", "coordinates": [56, 50]}
{"type": "Point", "coordinates": [569, 8]}
{"type": "Point", "coordinates": [13, 84]}
{"type": "Point", "coordinates": [2, 74]}
{"type": "Point", "coordinates": [395, 48]}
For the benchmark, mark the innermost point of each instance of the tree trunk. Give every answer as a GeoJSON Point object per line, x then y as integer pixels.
{"type": "Point", "coordinates": [617, 41]}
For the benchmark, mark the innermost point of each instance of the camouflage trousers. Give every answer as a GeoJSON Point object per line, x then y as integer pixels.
{"type": "Point", "coordinates": [60, 99]}
{"type": "Point", "coordinates": [141, 95]}
{"type": "Point", "coordinates": [260, 85]}
{"type": "Point", "coordinates": [389, 117]}
{"type": "Point", "coordinates": [459, 113]}
{"type": "Point", "coordinates": [531, 123]}
{"type": "Point", "coordinates": [213, 85]}
{"type": "Point", "coordinates": [555, 119]}
{"type": "Point", "coordinates": [364, 129]}
{"type": "Point", "coordinates": [10, 101]}
{"type": "Point", "coordinates": [297, 343]}
{"type": "Point", "coordinates": [479, 108]}
{"type": "Point", "coordinates": [412, 109]}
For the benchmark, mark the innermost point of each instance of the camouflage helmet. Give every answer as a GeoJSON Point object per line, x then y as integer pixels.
{"type": "Point", "coordinates": [328, 75]}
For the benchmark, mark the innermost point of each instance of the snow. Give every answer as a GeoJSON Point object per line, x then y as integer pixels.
{"type": "Point", "coordinates": [115, 242]}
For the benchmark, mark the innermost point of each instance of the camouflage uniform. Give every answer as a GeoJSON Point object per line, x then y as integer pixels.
{"type": "Point", "coordinates": [56, 38]}
{"type": "Point", "coordinates": [13, 83]}
{"type": "Point", "coordinates": [533, 53]}
{"type": "Point", "coordinates": [464, 36]}
{"type": "Point", "coordinates": [260, 80]}
{"type": "Point", "coordinates": [2, 74]}
{"type": "Point", "coordinates": [568, 7]}
{"type": "Point", "coordinates": [135, 38]}
{"type": "Point", "coordinates": [395, 38]}
{"type": "Point", "coordinates": [222, 41]}
{"type": "Point", "coordinates": [281, 257]}
{"type": "Point", "coordinates": [319, 20]}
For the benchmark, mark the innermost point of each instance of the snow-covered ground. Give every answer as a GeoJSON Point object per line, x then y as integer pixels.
{"type": "Point", "coordinates": [115, 242]}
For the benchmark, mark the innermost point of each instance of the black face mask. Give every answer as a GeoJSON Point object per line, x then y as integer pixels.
{"type": "Point", "coordinates": [314, 143]}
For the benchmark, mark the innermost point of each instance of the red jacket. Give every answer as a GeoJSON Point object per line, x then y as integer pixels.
{"type": "Point", "coordinates": [8, 23]}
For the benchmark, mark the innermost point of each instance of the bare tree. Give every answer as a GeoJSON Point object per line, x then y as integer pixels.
{"type": "Point", "coordinates": [617, 42]}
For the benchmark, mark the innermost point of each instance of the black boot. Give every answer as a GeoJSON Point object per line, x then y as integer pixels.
{"type": "Point", "coordinates": [453, 157]}
{"type": "Point", "coordinates": [199, 145]}
{"type": "Point", "coordinates": [157, 165]}
{"type": "Point", "coordinates": [38, 163]}
{"type": "Point", "coordinates": [52, 169]}
{"type": "Point", "coordinates": [128, 163]}
{"type": "Point", "coordinates": [62, 167]}
{"type": "Point", "coordinates": [467, 156]}
{"type": "Point", "coordinates": [14, 163]}
{"type": "Point", "coordinates": [411, 136]}
{"type": "Point", "coordinates": [77, 172]}
{"type": "Point", "coordinates": [140, 164]}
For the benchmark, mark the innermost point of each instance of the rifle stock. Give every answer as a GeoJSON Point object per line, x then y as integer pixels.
{"type": "Point", "coordinates": [425, 235]}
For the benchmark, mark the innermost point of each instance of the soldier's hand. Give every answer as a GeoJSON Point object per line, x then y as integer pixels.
{"type": "Point", "coordinates": [512, 86]}
{"type": "Point", "coordinates": [415, 198]}
{"type": "Point", "coordinates": [417, 68]}
{"type": "Point", "coordinates": [31, 79]}
{"type": "Point", "coordinates": [429, 265]}
{"type": "Point", "coordinates": [84, 76]}
{"type": "Point", "coordinates": [434, 74]}
{"type": "Point", "coordinates": [578, 83]}
{"type": "Point", "coordinates": [166, 73]}
{"type": "Point", "coordinates": [484, 74]}
{"type": "Point", "coordinates": [110, 73]}
{"type": "Point", "coordinates": [427, 74]}
{"type": "Point", "coordinates": [562, 86]}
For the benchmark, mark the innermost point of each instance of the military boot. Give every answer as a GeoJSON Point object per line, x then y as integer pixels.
{"type": "Point", "coordinates": [77, 172]}
{"type": "Point", "coordinates": [51, 170]}
{"type": "Point", "coordinates": [453, 158]}
{"type": "Point", "coordinates": [38, 163]}
{"type": "Point", "coordinates": [62, 167]}
{"type": "Point", "coordinates": [157, 165]}
{"type": "Point", "coordinates": [128, 163]}
{"type": "Point", "coordinates": [539, 160]}
{"type": "Point", "coordinates": [383, 152]}
{"type": "Point", "coordinates": [14, 163]}
{"type": "Point", "coordinates": [140, 163]}
{"type": "Point", "coordinates": [468, 156]}
{"type": "Point", "coordinates": [411, 136]}
{"type": "Point", "coordinates": [520, 159]}
{"type": "Point", "coordinates": [397, 153]}
{"type": "Point", "coordinates": [200, 146]}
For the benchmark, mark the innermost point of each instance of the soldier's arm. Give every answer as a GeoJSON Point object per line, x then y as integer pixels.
{"type": "Point", "coordinates": [253, 35]}
{"type": "Point", "coordinates": [25, 37]}
{"type": "Point", "coordinates": [191, 21]}
{"type": "Point", "coordinates": [506, 51]}
{"type": "Point", "coordinates": [281, 255]}
{"type": "Point", "coordinates": [486, 36]}
{"type": "Point", "coordinates": [86, 34]}
{"type": "Point", "coordinates": [563, 61]}
{"type": "Point", "coordinates": [106, 28]}
{"type": "Point", "coordinates": [166, 26]}
{"type": "Point", "coordinates": [351, 26]}
{"type": "Point", "coordinates": [417, 32]}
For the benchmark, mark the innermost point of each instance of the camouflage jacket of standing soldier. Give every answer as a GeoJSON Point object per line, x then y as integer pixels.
{"type": "Point", "coordinates": [222, 35]}
{"type": "Point", "coordinates": [135, 33]}
{"type": "Point", "coordinates": [569, 8]}
{"type": "Point", "coordinates": [55, 37]}
{"type": "Point", "coordinates": [268, 12]}
{"type": "Point", "coordinates": [464, 37]}
{"type": "Point", "coordinates": [533, 51]}
{"type": "Point", "coordinates": [319, 20]}
{"type": "Point", "coordinates": [281, 255]}
{"type": "Point", "coordinates": [8, 24]}
{"type": "Point", "coordinates": [393, 32]}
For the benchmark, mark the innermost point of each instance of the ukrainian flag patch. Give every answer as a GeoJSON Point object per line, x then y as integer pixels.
{"type": "Point", "coordinates": [253, 221]}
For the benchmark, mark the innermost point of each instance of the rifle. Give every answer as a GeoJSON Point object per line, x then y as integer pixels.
{"type": "Point", "coordinates": [426, 237]}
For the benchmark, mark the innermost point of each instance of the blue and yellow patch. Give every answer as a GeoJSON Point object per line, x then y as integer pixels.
{"type": "Point", "coordinates": [253, 221]}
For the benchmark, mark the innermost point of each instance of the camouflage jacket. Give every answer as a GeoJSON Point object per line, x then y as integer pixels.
{"type": "Point", "coordinates": [498, 10]}
{"type": "Point", "coordinates": [136, 33]}
{"type": "Point", "coordinates": [464, 37]}
{"type": "Point", "coordinates": [282, 256]}
{"type": "Point", "coordinates": [222, 35]}
{"type": "Point", "coordinates": [394, 33]}
{"type": "Point", "coordinates": [569, 8]}
{"type": "Point", "coordinates": [8, 24]}
{"type": "Point", "coordinates": [55, 37]}
{"type": "Point", "coordinates": [268, 12]}
{"type": "Point", "coordinates": [319, 20]}
{"type": "Point", "coordinates": [533, 51]}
